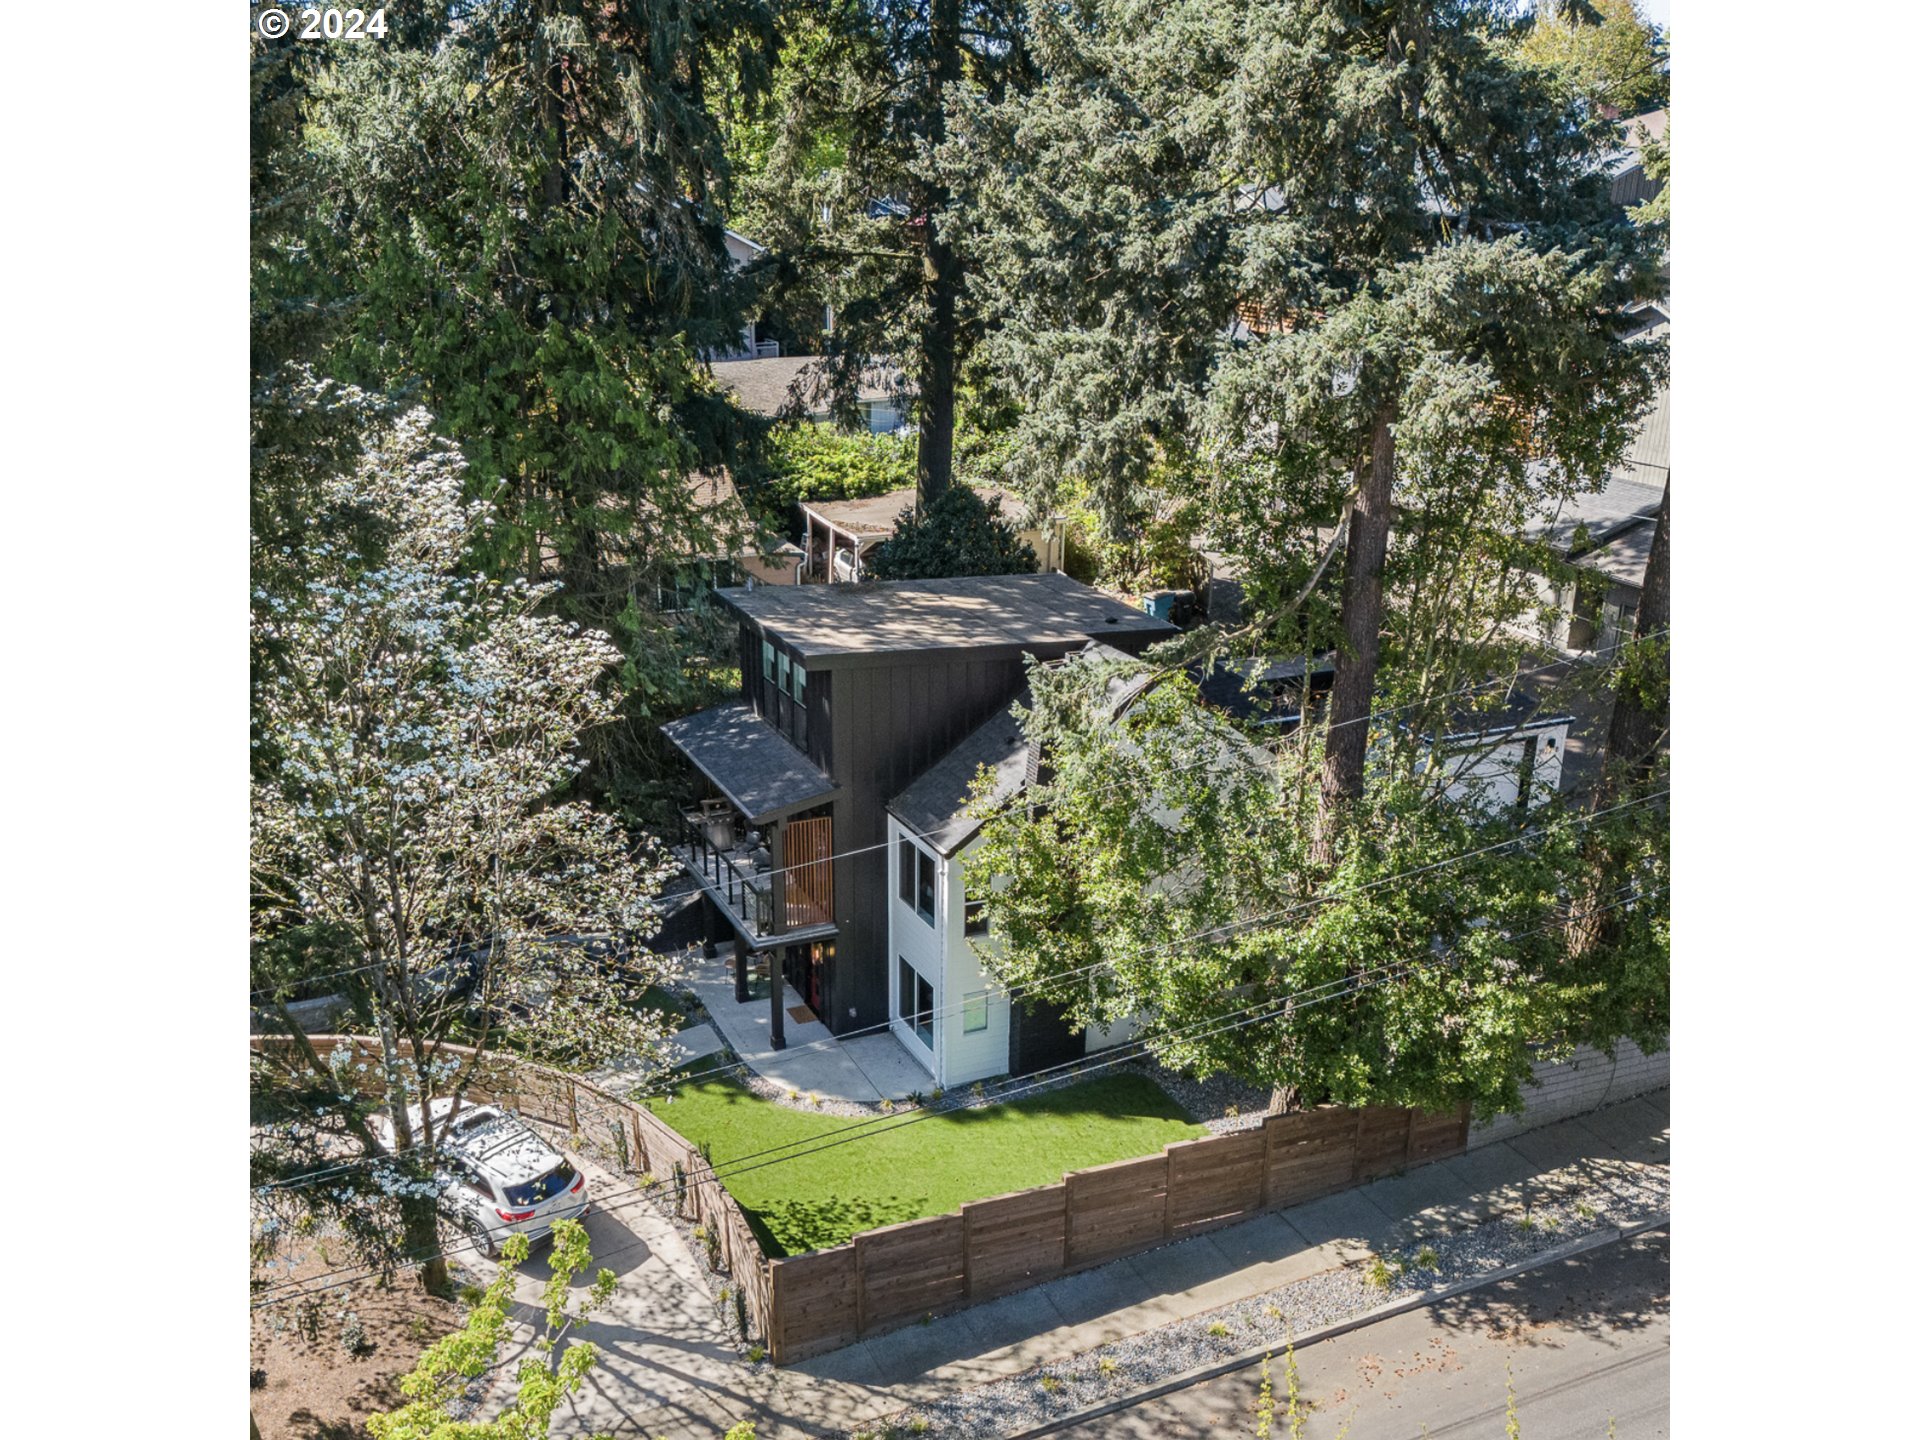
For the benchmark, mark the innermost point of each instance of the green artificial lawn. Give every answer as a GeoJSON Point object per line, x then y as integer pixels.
{"type": "Point", "coordinates": [931, 1166]}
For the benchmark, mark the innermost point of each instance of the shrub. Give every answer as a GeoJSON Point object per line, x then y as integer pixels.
{"type": "Point", "coordinates": [959, 534]}
{"type": "Point", "coordinates": [756, 1353]}
{"type": "Point", "coordinates": [353, 1335]}
{"type": "Point", "coordinates": [808, 462]}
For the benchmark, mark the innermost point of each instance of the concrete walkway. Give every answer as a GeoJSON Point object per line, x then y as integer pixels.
{"type": "Point", "coordinates": [667, 1370]}
{"type": "Point", "coordinates": [696, 1042]}
{"type": "Point", "coordinates": [864, 1070]}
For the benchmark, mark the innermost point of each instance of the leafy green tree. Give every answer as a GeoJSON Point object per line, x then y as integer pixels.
{"type": "Point", "coordinates": [860, 218]}
{"type": "Point", "coordinates": [807, 462]}
{"type": "Point", "coordinates": [415, 727]}
{"type": "Point", "coordinates": [1604, 51]}
{"type": "Point", "coordinates": [958, 534]}
{"type": "Point", "coordinates": [1165, 872]}
{"type": "Point", "coordinates": [517, 208]}
{"type": "Point", "coordinates": [545, 1379]}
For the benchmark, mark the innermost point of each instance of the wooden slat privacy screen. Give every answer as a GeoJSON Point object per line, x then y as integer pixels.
{"type": "Point", "coordinates": [810, 880]}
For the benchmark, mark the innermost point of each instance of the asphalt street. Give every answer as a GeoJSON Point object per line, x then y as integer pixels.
{"type": "Point", "coordinates": [1586, 1340]}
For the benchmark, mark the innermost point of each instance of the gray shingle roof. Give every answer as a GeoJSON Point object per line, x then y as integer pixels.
{"type": "Point", "coordinates": [969, 612]}
{"type": "Point", "coordinates": [935, 806]}
{"type": "Point", "coordinates": [767, 386]}
{"type": "Point", "coordinates": [1623, 559]}
{"type": "Point", "coordinates": [752, 763]}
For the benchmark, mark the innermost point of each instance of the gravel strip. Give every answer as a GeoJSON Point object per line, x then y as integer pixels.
{"type": "Point", "coordinates": [1616, 1197]}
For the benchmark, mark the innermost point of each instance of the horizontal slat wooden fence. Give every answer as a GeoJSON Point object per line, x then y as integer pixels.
{"type": "Point", "coordinates": [905, 1273]}
{"type": "Point", "coordinates": [807, 1305]}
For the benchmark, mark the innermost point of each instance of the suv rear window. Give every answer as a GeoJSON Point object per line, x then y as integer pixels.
{"type": "Point", "coordinates": [554, 1182]}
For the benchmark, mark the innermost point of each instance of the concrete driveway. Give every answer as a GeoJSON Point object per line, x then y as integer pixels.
{"type": "Point", "coordinates": [667, 1366]}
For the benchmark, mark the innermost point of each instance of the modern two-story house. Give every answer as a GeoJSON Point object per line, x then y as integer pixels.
{"type": "Point", "coordinates": [850, 695]}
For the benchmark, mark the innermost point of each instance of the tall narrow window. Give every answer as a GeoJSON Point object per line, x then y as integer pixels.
{"type": "Point", "coordinates": [923, 900]}
{"type": "Point", "coordinates": [907, 852]}
{"type": "Point", "coordinates": [766, 660]}
{"type": "Point", "coordinates": [913, 1003]}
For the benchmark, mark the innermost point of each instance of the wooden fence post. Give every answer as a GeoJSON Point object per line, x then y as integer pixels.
{"type": "Point", "coordinates": [1266, 1162]}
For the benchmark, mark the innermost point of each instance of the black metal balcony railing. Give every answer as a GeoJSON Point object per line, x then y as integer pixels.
{"type": "Point", "coordinates": [723, 852]}
{"type": "Point", "coordinates": [736, 863]}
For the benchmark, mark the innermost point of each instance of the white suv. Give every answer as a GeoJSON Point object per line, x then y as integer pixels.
{"type": "Point", "coordinates": [498, 1178]}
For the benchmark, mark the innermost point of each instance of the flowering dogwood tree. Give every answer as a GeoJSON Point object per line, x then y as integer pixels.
{"type": "Point", "coordinates": [417, 728]}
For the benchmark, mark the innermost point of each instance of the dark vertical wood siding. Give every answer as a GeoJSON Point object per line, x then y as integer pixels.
{"type": "Point", "coordinates": [889, 724]}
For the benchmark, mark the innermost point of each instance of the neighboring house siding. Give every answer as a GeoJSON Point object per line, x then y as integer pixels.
{"type": "Point", "coordinates": [1584, 1081]}
{"type": "Point", "coordinates": [1494, 773]}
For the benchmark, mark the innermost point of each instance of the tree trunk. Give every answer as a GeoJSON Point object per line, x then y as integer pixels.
{"type": "Point", "coordinates": [940, 271]}
{"type": "Point", "coordinates": [1633, 744]}
{"type": "Point", "coordinates": [1636, 729]}
{"type": "Point", "coordinates": [1343, 776]}
{"type": "Point", "coordinates": [419, 1219]}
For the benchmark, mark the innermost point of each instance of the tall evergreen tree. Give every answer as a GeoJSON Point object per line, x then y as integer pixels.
{"type": "Point", "coordinates": [519, 208]}
{"type": "Point", "coordinates": [863, 222]}
{"type": "Point", "coordinates": [1357, 251]}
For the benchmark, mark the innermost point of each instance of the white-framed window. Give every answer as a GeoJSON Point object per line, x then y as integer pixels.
{"type": "Point", "coordinates": [973, 1011]}
{"type": "Point", "coordinates": [918, 880]}
{"type": "Point", "coordinates": [913, 1003]}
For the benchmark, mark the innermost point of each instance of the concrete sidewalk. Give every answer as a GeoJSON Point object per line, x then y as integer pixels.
{"type": "Point", "coordinates": [839, 1392]}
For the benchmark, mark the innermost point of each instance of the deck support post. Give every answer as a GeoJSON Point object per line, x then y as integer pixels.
{"type": "Point", "coordinates": [740, 992]}
{"type": "Point", "coordinates": [775, 985]}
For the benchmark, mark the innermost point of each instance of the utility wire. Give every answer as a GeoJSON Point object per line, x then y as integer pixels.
{"type": "Point", "coordinates": [1220, 1024]}
{"type": "Point", "coordinates": [1028, 796]}
{"type": "Point", "coordinates": [1239, 927]}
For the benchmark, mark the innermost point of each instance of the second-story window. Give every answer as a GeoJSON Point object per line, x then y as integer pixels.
{"type": "Point", "coordinates": [918, 870]}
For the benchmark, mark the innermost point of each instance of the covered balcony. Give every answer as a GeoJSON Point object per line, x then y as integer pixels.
{"type": "Point", "coordinates": [760, 844]}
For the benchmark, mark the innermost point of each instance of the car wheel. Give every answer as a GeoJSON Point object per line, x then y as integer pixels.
{"type": "Point", "coordinates": [482, 1239]}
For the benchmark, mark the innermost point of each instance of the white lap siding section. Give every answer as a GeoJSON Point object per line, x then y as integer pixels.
{"type": "Point", "coordinates": [942, 954]}
{"type": "Point", "coordinates": [918, 943]}
{"type": "Point", "coordinates": [1490, 773]}
{"type": "Point", "coordinates": [983, 1053]}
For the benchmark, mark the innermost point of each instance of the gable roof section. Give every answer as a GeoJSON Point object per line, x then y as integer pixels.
{"type": "Point", "coordinates": [934, 806]}
{"type": "Point", "coordinates": [975, 612]}
{"type": "Point", "coordinates": [752, 763]}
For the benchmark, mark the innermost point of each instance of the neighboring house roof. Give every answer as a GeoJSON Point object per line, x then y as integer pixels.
{"type": "Point", "coordinates": [1623, 559]}
{"type": "Point", "coordinates": [1631, 183]}
{"type": "Point", "coordinates": [875, 517]}
{"type": "Point", "coordinates": [935, 805]}
{"type": "Point", "coordinates": [1603, 512]}
{"type": "Point", "coordinates": [755, 766]}
{"type": "Point", "coordinates": [970, 612]}
{"type": "Point", "coordinates": [1516, 714]}
{"type": "Point", "coordinates": [1259, 692]}
{"type": "Point", "coordinates": [778, 384]}
{"type": "Point", "coordinates": [718, 500]}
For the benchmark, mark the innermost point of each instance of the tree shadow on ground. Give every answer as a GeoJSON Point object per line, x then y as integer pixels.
{"type": "Point", "coordinates": [796, 1226]}
{"type": "Point", "coordinates": [1612, 1290]}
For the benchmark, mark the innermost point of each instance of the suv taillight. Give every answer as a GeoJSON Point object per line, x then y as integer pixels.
{"type": "Point", "coordinates": [514, 1216]}
{"type": "Point", "coordinates": [576, 1184]}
